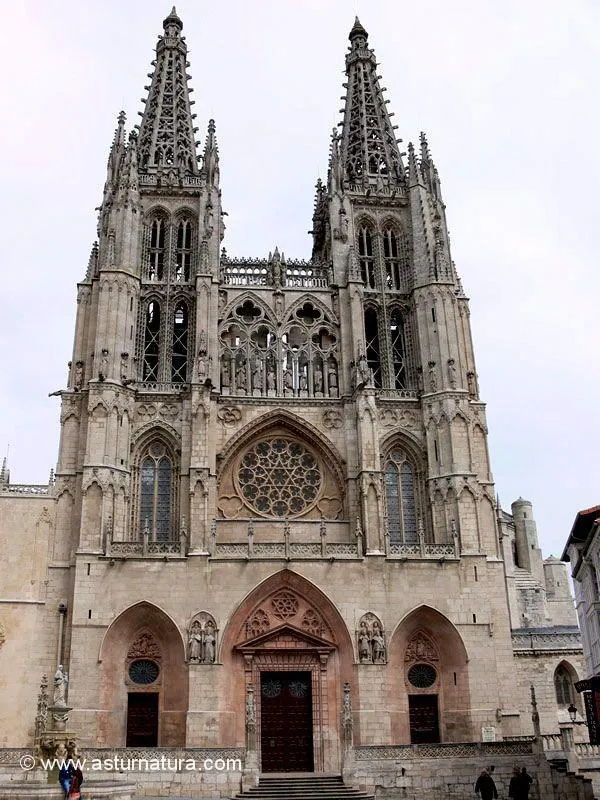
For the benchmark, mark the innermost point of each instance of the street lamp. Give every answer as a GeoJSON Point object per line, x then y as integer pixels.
{"type": "Point", "coordinates": [572, 712]}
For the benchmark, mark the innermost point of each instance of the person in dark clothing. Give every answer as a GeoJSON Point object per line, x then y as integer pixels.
{"type": "Point", "coordinates": [485, 786]}
{"type": "Point", "coordinates": [526, 781]}
{"type": "Point", "coordinates": [75, 790]}
{"type": "Point", "coordinates": [65, 776]}
{"type": "Point", "coordinates": [515, 786]}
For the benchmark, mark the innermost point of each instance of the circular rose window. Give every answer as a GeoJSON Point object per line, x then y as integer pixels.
{"type": "Point", "coordinates": [143, 671]}
{"type": "Point", "coordinates": [422, 676]}
{"type": "Point", "coordinates": [279, 478]}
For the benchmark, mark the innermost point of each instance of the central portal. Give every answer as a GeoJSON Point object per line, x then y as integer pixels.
{"type": "Point", "coordinates": [286, 722]}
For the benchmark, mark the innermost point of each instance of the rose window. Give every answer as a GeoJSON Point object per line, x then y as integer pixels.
{"type": "Point", "coordinates": [279, 478]}
{"type": "Point", "coordinates": [422, 676]}
{"type": "Point", "coordinates": [285, 605]}
{"type": "Point", "coordinates": [143, 671]}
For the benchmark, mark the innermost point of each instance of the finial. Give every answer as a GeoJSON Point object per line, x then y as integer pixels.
{"type": "Point", "coordinates": [211, 126]}
{"type": "Point", "coordinates": [357, 30]}
{"type": "Point", "coordinates": [4, 472]}
{"type": "Point", "coordinates": [121, 118]}
{"type": "Point", "coordinates": [172, 21]}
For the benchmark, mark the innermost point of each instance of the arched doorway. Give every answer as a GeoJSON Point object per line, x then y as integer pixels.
{"type": "Point", "coordinates": [144, 681]}
{"type": "Point", "coordinates": [429, 680]}
{"type": "Point", "coordinates": [288, 646]}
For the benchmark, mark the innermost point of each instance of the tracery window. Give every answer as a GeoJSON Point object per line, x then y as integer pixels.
{"type": "Point", "coordinates": [400, 498]}
{"type": "Point", "coordinates": [151, 342]}
{"type": "Point", "coordinates": [298, 360]}
{"type": "Point", "coordinates": [391, 259]}
{"type": "Point", "coordinates": [373, 351]}
{"type": "Point", "coordinates": [563, 686]}
{"type": "Point", "coordinates": [156, 251]}
{"type": "Point", "coordinates": [156, 493]}
{"type": "Point", "coordinates": [365, 256]}
{"type": "Point", "coordinates": [165, 325]}
{"type": "Point", "coordinates": [279, 477]}
{"type": "Point", "coordinates": [179, 351]}
{"type": "Point", "coordinates": [398, 348]}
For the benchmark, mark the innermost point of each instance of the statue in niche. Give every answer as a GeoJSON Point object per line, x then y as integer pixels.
{"type": "Point", "coordinates": [225, 372]}
{"type": "Point", "coordinates": [78, 380]}
{"type": "Point", "coordinates": [195, 642]}
{"type": "Point", "coordinates": [452, 373]}
{"type": "Point", "coordinates": [420, 385]}
{"type": "Point", "coordinates": [332, 375]}
{"type": "Point", "coordinates": [433, 383]}
{"type": "Point", "coordinates": [364, 373]}
{"type": "Point", "coordinates": [102, 374]}
{"type": "Point", "coordinates": [61, 680]}
{"type": "Point", "coordinates": [202, 342]}
{"type": "Point", "coordinates": [378, 644]}
{"type": "Point", "coordinates": [202, 640]}
{"type": "Point", "coordinates": [124, 367]}
{"type": "Point", "coordinates": [204, 363]}
{"type": "Point", "coordinates": [471, 385]}
{"type": "Point", "coordinates": [288, 381]}
{"type": "Point", "coordinates": [270, 378]}
{"type": "Point", "coordinates": [303, 382]}
{"type": "Point", "coordinates": [257, 375]}
{"type": "Point", "coordinates": [240, 376]}
{"type": "Point", "coordinates": [318, 378]}
{"type": "Point", "coordinates": [371, 641]}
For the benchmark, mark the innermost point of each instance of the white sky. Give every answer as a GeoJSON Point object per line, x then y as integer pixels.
{"type": "Point", "coordinates": [508, 95]}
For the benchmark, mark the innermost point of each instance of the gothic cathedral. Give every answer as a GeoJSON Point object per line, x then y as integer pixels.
{"type": "Point", "coordinates": [273, 529]}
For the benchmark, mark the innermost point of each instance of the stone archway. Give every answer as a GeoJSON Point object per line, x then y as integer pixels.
{"type": "Point", "coordinates": [287, 626]}
{"type": "Point", "coordinates": [141, 636]}
{"type": "Point", "coordinates": [429, 676]}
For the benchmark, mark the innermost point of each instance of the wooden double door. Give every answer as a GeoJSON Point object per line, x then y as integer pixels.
{"type": "Point", "coordinates": [142, 719]}
{"type": "Point", "coordinates": [286, 722]}
{"type": "Point", "coordinates": [423, 718]}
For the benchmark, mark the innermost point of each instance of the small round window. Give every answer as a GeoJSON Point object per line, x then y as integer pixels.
{"type": "Point", "coordinates": [422, 676]}
{"type": "Point", "coordinates": [143, 671]}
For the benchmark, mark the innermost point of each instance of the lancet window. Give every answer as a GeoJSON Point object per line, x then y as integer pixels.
{"type": "Point", "coordinates": [563, 686]}
{"type": "Point", "coordinates": [298, 360]}
{"type": "Point", "coordinates": [165, 330]}
{"type": "Point", "coordinates": [365, 256]}
{"type": "Point", "coordinates": [385, 346]}
{"type": "Point", "coordinates": [156, 492]}
{"type": "Point", "coordinates": [170, 249]}
{"type": "Point", "coordinates": [383, 257]}
{"type": "Point", "coordinates": [400, 495]}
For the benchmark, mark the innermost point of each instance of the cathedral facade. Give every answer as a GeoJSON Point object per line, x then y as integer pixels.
{"type": "Point", "coordinates": [273, 523]}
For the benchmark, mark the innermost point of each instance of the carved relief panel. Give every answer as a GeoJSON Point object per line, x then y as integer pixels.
{"type": "Point", "coordinates": [202, 639]}
{"type": "Point", "coordinates": [370, 639]}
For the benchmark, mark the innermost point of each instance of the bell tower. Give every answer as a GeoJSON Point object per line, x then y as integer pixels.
{"type": "Point", "coordinates": [407, 341]}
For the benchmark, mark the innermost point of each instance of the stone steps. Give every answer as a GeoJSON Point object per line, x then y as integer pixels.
{"type": "Point", "coordinates": [302, 787]}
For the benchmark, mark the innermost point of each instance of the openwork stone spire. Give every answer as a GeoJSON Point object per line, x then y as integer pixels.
{"type": "Point", "coordinates": [369, 152]}
{"type": "Point", "coordinates": [167, 130]}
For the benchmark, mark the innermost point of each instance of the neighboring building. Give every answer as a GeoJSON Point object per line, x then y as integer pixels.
{"type": "Point", "coordinates": [273, 489]}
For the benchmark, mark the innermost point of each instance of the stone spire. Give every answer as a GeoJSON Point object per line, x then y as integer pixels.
{"type": "Point", "coordinates": [210, 160]}
{"type": "Point", "coordinates": [167, 130]}
{"type": "Point", "coordinates": [369, 152]}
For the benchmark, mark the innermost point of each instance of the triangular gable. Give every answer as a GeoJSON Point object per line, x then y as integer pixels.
{"type": "Point", "coordinates": [274, 638]}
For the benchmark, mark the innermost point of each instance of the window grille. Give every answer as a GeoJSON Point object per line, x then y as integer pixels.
{"type": "Point", "coordinates": [400, 499]}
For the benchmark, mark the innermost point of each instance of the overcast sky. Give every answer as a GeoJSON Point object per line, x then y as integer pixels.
{"type": "Point", "coordinates": [508, 95]}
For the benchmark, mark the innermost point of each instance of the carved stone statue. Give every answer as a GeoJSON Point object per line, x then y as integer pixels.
{"type": "Point", "coordinates": [202, 342]}
{"type": "Point", "coordinates": [472, 385]}
{"type": "Point", "coordinates": [209, 644]}
{"type": "Point", "coordinates": [78, 380]}
{"type": "Point", "coordinates": [288, 380]}
{"type": "Point", "coordinates": [452, 373]}
{"type": "Point", "coordinates": [371, 640]}
{"type": "Point", "coordinates": [240, 376]}
{"type": "Point", "coordinates": [364, 646]}
{"type": "Point", "coordinates": [61, 679]}
{"type": "Point", "coordinates": [203, 366]}
{"type": "Point", "coordinates": [270, 379]}
{"type": "Point", "coordinates": [303, 382]}
{"type": "Point", "coordinates": [257, 375]}
{"type": "Point", "coordinates": [102, 375]}
{"type": "Point", "coordinates": [195, 642]}
{"type": "Point", "coordinates": [433, 382]}
{"type": "Point", "coordinates": [317, 378]}
{"type": "Point", "coordinates": [332, 375]}
{"type": "Point", "coordinates": [225, 372]}
{"type": "Point", "coordinates": [378, 644]}
{"type": "Point", "coordinates": [364, 373]}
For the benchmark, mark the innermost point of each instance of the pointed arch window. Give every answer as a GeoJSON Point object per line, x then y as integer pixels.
{"type": "Point", "coordinates": [156, 493]}
{"type": "Point", "coordinates": [373, 351]}
{"type": "Point", "coordinates": [151, 342]}
{"type": "Point", "coordinates": [179, 351]}
{"type": "Point", "coordinates": [183, 250]}
{"type": "Point", "coordinates": [400, 498]}
{"type": "Point", "coordinates": [563, 686]}
{"type": "Point", "coordinates": [398, 350]}
{"type": "Point", "coordinates": [366, 258]}
{"type": "Point", "coordinates": [157, 250]}
{"type": "Point", "coordinates": [391, 258]}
